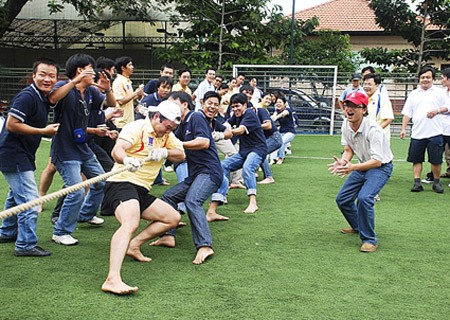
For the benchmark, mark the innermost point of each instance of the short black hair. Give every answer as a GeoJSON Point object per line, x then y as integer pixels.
{"type": "Point", "coordinates": [206, 71]}
{"type": "Point", "coordinates": [247, 87]}
{"type": "Point", "coordinates": [427, 68]}
{"type": "Point", "coordinates": [375, 76]}
{"type": "Point", "coordinates": [183, 70]}
{"type": "Point", "coordinates": [164, 80]}
{"type": "Point", "coordinates": [211, 94]}
{"type": "Point", "coordinates": [183, 97]}
{"type": "Point", "coordinates": [104, 63]}
{"type": "Point", "coordinates": [46, 61]}
{"type": "Point", "coordinates": [78, 60]}
{"type": "Point", "coordinates": [122, 62]}
{"type": "Point", "coordinates": [446, 73]}
{"type": "Point", "coordinates": [167, 65]}
{"type": "Point", "coordinates": [239, 98]}
{"type": "Point", "coordinates": [370, 68]}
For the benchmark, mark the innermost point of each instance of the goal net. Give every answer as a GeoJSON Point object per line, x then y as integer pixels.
{"type": "Point", "coordinates": [309, 90]}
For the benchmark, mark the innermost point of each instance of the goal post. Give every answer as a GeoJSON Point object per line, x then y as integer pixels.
{"type": "Point", "coordinates": [309, 90]}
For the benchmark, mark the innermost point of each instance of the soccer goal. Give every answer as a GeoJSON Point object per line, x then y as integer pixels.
{"type": "Point", "coordinates": [309, 90]}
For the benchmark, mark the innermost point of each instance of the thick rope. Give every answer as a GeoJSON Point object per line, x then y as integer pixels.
{"type": "Point", "coordinates": [49, 197]}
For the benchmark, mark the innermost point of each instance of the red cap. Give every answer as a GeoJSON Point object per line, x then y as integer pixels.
{"type": "Point", "coordinates": [357, 98]}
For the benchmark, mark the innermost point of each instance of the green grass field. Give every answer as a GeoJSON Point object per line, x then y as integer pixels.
{"type": "Point", "coordinates": [287, 261]}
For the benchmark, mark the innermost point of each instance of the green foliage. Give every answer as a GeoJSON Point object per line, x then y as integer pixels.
{"type": "Point", "coordinates": [240, 35]}
{"type": "Point", "coordinates": [398, 18]}
{"type": "Point", "coordinates": [327, 48]}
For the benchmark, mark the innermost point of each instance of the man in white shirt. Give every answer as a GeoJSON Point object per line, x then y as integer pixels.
{"type": "Point", "coordinates": [205, 86]}
{"type": "Point", "coordinates": [426, 131]}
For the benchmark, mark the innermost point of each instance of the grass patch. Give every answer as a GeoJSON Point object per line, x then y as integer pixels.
{"type": "Point", "coordinates": [287, 261]}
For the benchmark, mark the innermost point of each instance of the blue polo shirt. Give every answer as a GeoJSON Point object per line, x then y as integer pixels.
{"type": "Point", "coordinates": [17, 151]}
{"type": "Point", "coordinates": [253, 140]}
{"type": "Point", "coordinates": [72, 112]}
{"type": "Point", "coordinates": [287, 122]}
{"type": "Point", "coordinates": [197, 125]}
{"type": "Point", "coordinates": [151, 86]}
{"type": "Point", "coordinates": [264, 116]}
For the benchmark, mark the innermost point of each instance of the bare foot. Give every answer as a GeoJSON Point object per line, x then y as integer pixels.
{"type": "Point", "coordinates": [165, 241]}
{"type": "Point", "coordinates": [267, 181]}
{"type": "Point", "coordinates": [120, 288]}
{"type": "Point", "coordinates": [212, 216]}
{"type": "Point", "coordinates": [237, 186]}
{"type": "Point", "coordinates": [202, 254]}
{"type": "Point", "coordinates": [136, 253]}
{"type": "Point", "coordinates": [252, 208]}
{"type": "Point", "coordinates": [182, 224]}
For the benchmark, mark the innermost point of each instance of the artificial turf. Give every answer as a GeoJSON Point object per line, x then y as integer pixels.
{"type": "Point", "coordinates": [287, 261]}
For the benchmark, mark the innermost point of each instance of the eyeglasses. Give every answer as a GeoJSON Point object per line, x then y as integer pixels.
{"type": "Point", "coordinates": [85, 108]}
{"type": "Point", "coordinates": [354, 106]}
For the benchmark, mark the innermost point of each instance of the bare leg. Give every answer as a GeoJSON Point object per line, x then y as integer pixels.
{"type": "Point", "coordinates": [417, 170]}
{"type": "Point", "coordinates": [128, 215]}
{"type": "Point", "coordinates": [46, 180]}
{"type": "Point", "coordinates": [165, 241]}
{"type": "Point", "coordinates": [436, 169]}
{"type": "Point", "coordinates": [202, 254]}
{"type": "Point", "coordinates": [212, 215]}
{"type": "Point", "coordinates": [164, 218]}
{"type": "Point", "coordinates": [252, 207]}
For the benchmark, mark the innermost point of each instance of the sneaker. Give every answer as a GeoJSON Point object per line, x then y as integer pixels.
{"type": "Point", "coordinates": [66, 240]}
{"type": "Point", "coordinates": [4, 239]}
{"type": "Point", "coordinates": [348, 231]}
{"type": "Point", "coordinates": [377, 198]}
{"type": "Point", "coordinates": [96, 221]}
{"type": "Point", "coordinates": [417, 187]}
{"type": "Point", "coordinates": [267, 181]}
{"type": "Point", "coordinates": [34, 252]}
{"type": "Point", "coordinates": [168, 169]}
{"type": "Point", "coordinates": [272, 162]}
{"type": "Point", "coordinates": [438, 188]}
{"type": "Point", "coordinates": [288, 151]}
{"type": "Point", "coordinates": [428, 180]}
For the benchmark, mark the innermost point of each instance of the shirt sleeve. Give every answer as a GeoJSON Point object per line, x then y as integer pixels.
{"type": "Point", "coordinates": [23, 106]}
{"type": "Point", "coordinates": [174, 143]}
{"type": "Point", "coordinates": [250, 121]}
{"type": "Point", "coordinates": [199, 127]}
{"type": "Point", "coordinates": [407, 108]}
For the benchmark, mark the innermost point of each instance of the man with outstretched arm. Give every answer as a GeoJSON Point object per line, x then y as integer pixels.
{"type": "Point", "coordinates": [19, 140]}
{"type": "Point", "coordinates": [127, 193]}
{"type": "Point", "coordinates": [363, 137]}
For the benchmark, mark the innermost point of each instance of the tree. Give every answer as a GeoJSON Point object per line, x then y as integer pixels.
{"type": "Point", "coordinates": [90, 10]}
{"type": "Point", "coordinates": [426, 28]}
{"type": "Point", "coordinates": [226, 32]}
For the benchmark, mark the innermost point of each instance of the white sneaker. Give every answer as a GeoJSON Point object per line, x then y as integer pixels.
{"type": "Point", "coordinates": [168, 169]}
{"type": "Point", "coordinates": [96, 221]}
{"type": "Point", "coordinates": [66, 240]}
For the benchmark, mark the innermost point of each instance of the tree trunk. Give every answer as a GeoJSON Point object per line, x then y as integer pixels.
{"type": "Point", "coordinates": [9, 12]}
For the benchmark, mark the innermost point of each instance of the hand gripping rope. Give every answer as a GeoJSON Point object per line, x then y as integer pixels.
{"type": "Point", "coordinates": [49, 197]}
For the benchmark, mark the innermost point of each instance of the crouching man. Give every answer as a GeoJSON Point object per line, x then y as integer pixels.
{"type": "Point", "coordinates": [127, 194]}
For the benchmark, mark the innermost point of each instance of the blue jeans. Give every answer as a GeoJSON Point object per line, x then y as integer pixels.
{"type": "Point", "coordinates": [363, 186]}
{"type": "Point", "coordinates": [274, 142]}
{"type": "Point", "coordinates": [76, 207]}
{"type": "Point", "coordinates": [249, 166]}
{"type": "Point", "coordinates": [182, 173]}
{"type": "Point", "coordinates": [22, 188]}
{"type": "Point", "coordinates": [287, 137]}
{"type": "Point", "coordinates": [194, 196]}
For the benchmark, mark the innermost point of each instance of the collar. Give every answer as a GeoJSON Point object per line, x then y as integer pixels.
{"type": "Point", "coordinates": [40, 94]}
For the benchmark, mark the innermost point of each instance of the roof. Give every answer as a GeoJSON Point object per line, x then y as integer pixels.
{"type": "Point", "coordinates": [355, 15]}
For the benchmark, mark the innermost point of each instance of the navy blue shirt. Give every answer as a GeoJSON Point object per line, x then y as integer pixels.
{"type": "Point", "coordinates": [72, 112]}
{"type": "Point", "coordinates": [264, 116]}
{"type": "Point", "coordinates": [287, 122]}
{"type": "Point", "coordinates": [151, 86]}
{"type": "Point", "coordinates": [197, 125]}
{"type": "Point", "coordinates": [17, 151]}
{"type": "Point", "coordinates": [253, 140]}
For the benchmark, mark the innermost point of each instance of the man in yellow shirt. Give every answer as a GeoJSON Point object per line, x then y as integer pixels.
{"type": "Point", "coordinates": [127, 193]}
{"type": "Point", "coordinates": [184, 78]}
{"type": "Point", "coordinates": [123, 91]}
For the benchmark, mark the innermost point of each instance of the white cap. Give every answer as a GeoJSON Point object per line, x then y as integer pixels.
{"type": "Point", "coordinates": [168, 110]}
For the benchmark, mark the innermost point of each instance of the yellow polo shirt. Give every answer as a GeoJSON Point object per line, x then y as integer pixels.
{"type": "Point", "coordinates": [141, 135]}
{"type": "Point", "coordinates": [178, 87]}
{"type": "Point", "coordinates": [122, 87]}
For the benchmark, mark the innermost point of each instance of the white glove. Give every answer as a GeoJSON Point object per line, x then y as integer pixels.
{"type": "Point", "coordinates": [133, 164]}
{"type": "Point", "coordinates": [158, 154]}
{"type": "Point", "coordinates": [143, 110]}
{"type": "Point", "coordinates": [217, 136]}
